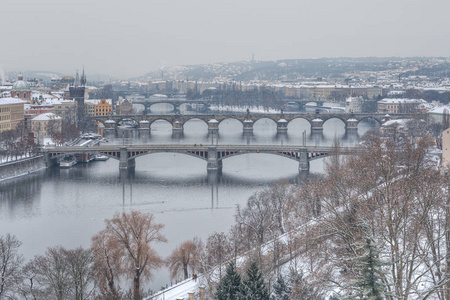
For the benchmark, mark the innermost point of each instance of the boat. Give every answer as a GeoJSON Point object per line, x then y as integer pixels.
{"type": "Point", "coordinates": [100, 157]}
{"type": "Point", "coordinates": [68, 162]}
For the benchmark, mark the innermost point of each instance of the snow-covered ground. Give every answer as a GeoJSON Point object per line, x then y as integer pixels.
{"type": "Point", "coordinates": [180, 290]}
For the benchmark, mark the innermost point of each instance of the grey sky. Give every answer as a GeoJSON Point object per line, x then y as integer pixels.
{"type": "Point", "coordinates": [130, 38]}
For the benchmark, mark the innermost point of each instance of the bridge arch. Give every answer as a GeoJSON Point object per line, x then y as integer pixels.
{"type": "Point", "coordinates": [161, 121]}
{"type": "Point", "coordinates": [371, 118]}
{"type": "Point", "coordinates": [149, 105]}
{"type": "Point", "coordinates": [260, 152]}
{"type": "Point", "coordinates": [343, 120]}
{"type": "Point", "coordinates": [194, 119]}
{"type": "Point", "coordinates": [262, 118]}
{"type": "Point", "coordinates": [231, 118]}
{"type": "Point", "coordinates": [194, 154]}
{"type": "Point", "coordinates": [299, 119]}
{"type": "Point", "coordinates": [128, 121]}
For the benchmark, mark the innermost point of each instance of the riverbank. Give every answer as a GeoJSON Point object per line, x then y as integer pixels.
{"type": "Point", "coordinates": [17, 168]}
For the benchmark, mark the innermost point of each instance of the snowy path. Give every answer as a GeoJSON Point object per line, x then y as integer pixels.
{"type": "Point", "coordinates": [179, 290]}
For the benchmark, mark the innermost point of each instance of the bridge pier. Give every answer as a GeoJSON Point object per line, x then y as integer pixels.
{"type": "Point", "coordinates": [124, 162]}
{"type": "Point", "coordinates": [352, 125]}
{"type": "Point", "coordinates": [110, 127]}
{"type": "Point", "coordinates": [248, 126]}
{"type": "Point", "coordinates": [49, 161]}
{"type": "Point", "coordinates": [317, 125]}
{"type": "Point", "coordinates": [282, 126]}
{"type": "Point", "coordinates": [213, 126]}
{"type": "Point", "coordinates": [144, 128]}
{"type": "Point", "coordinates": [177, 127]}
{"type": "Point", "coordinates": [303, 166]}
{"type": "Point", "coordinates": [213, 163]}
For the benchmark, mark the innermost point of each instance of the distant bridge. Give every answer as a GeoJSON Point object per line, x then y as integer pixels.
{"type": "Point", "coordinates": [282, 120]}
{"type": "Point", "coordinates": [175, 102]}
{"type": "Point", "coordinates": [214, 155]}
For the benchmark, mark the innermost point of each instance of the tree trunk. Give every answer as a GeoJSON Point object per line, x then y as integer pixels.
{"type": "Point", "coordinates": [185, 269]}
{"type": "Point", "coordinates": [136, 286]}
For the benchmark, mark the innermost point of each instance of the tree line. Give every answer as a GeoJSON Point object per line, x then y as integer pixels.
{"type": "Point", "coordinates": [18, 142]}
{"type": "Point", "coordinates": [120, 252]}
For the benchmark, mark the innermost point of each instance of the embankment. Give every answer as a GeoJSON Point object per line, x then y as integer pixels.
{"type": "Point", "coordinates": [21, 167]}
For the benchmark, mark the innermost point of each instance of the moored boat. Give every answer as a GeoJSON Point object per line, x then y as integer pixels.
{"type": "Point", "coordinates": [100, 157]}
{"type": "Point", "coordinates": [68, 162]}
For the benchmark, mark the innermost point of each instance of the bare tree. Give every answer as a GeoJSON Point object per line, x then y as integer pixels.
{"type": "Point", "coordinates": [80, 269]}
{"type": "Point", "coordinates": [107, 264]}
{"type": "Point", "coordinates": [183, 257]}
{"type": "Point", "coordinates": [51, 274]}
{"type": "Point", "coordinates": [218, 250]}
{"type": "Point", "coordinates": [10, 265]}
{"type": "Point", "coordinates": [281, 194]}
{"type": "Point", "coordinates": [134, 232]}
{"type": "Point", "coordinates": [70, 132]}
{"type": "Point", "coordinates": [53, 126]}
{"type": "Point", "coordinates": [257, 216]}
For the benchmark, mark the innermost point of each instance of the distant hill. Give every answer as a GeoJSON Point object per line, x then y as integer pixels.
{"type": "Point", "coordinates": [293, 69]}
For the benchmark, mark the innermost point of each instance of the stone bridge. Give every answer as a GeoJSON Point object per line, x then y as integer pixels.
{"type": "Point", "coordinates": [316, 121]}
{"type": "Point", "coordinates": [175, 102]}
{"type": "Point", "coordinates": [213, 155]}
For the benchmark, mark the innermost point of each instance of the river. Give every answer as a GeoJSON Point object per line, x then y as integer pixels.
{"type": "Point", "coordinates": [67, 206]}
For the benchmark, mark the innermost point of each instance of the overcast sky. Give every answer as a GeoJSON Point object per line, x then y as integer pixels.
{"type": "Point", "coordinates": [131, 37]}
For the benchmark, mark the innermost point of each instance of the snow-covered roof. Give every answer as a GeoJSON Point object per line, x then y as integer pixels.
{"type": "Point", "coordinates": [213, 121]}
{"type": "Point", "coordinates": [46, 117]}
{"type": "Point", "coordinates": [401, 122]}
{"type": "Point", "coordinates": [97, 101]}
{"type": "Point", "coordinates": [401, 100]}
{"type": "Point", "coordinates": [439, 110]}
{"type": "Point", "coordinates": [10, 100]}
{"type": "Point", "coordinates": [21, 85]}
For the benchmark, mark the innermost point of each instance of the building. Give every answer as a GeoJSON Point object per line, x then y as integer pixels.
{"type": "Point", "coordinates": [103, 108]}
{"type": "Point", "coordinates": [397, 106]}
{"type": "Point", "coordinates": [354, 104]}
{"type": "Point", "coordinates": [11, 113]}
{"type": "Point", "coordinates": [21, 89]}
{"type": "Point", "coordinates": [44, 125]}
{"type": "Point", "coordinates": [438, 114]}
{"type": "Point", "coordinates": [124, 107]}
{"type": "Point", "coordinates": [89, 108]}
{"type": "Point", "coordinates": [37, 109]}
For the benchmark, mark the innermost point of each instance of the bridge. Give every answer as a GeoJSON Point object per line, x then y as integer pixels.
{"type": "Point", "coordinates": [175, 102]}
{"type": "Point", "coordinates": [316, 120]}
{"type": "Point", "coordinates": [212, 154]}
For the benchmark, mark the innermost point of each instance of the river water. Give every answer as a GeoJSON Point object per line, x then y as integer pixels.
{"type": "Point", "coordinates": [67, 206]}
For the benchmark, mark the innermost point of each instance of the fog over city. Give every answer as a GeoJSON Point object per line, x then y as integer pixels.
{"type": "Point", "coordinates": [130, 38]}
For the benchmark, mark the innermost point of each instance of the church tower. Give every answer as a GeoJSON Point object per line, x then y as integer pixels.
{"type": "Point", "coordinates": [77, 92]}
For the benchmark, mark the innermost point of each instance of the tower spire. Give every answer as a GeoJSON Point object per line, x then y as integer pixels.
{"type": "Point", "coordinates": [77, 80]}
{"type": "Point", "coordinates": [83, 78]}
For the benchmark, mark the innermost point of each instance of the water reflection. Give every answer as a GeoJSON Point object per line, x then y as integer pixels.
{"type": "Point", "coordinates": [21, 195]}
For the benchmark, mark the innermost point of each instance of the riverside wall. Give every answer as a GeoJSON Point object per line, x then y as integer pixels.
{"type": "Point", "coordinates": [21, 167]}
